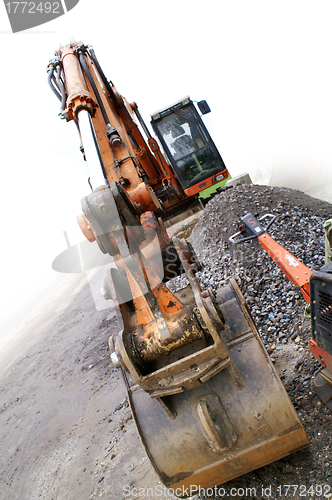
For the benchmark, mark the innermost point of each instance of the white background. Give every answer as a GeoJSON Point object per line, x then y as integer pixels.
{"type": "Point", "coordinates": [263, 66]}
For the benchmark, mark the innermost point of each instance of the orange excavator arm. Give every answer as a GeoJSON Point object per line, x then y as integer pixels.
{"type": "Point", "coordinates": [115, 150]}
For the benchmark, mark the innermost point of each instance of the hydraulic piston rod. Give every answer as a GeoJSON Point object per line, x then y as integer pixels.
{"type": "Point", "coordinates": [97, 178]}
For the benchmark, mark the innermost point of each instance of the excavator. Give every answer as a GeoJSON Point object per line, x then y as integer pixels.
{"type": "Point", "coordinates": [206, 398]}
{"type": "Point", "coordinates": [315, 287]}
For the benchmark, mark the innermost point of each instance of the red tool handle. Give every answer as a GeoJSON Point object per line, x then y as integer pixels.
{"type": "Point", "coordinates": [296, 271]}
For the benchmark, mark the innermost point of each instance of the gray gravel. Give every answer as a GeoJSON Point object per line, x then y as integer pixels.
{"type": "Point", "coordinates": [274, 302]}
{"type": "Point", "coordinates": [278, 311]}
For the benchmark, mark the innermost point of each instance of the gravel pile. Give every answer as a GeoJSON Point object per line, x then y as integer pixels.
{"type": "Point", "coordinates": [277, 307]}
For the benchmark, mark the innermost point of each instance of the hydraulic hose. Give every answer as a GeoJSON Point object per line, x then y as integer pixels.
{"type": "Point", "coordinates": [61, 88]}
{"type": "Point", "coordinates": [97, 149]}
{"type": "Point", "coordinates": [94, 88]}
{"type": "Point", "coordinates": [50, 82]}
{"type": "Point", "coordinates": [104, 79]}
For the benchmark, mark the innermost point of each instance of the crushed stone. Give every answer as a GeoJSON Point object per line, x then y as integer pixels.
{"type": "Point", "coordinates": [277, 307]}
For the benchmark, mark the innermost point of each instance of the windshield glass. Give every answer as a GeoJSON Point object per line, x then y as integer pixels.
{"type": "Point", "coordinates": [190, 148]}
{"type": "Point", "coordinates": [181, 133]}
{"type": "Point", "coordinates": [199, 165]}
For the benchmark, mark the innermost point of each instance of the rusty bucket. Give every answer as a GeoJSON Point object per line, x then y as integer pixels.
{"type": "Point", "coordinates": [228, 425]}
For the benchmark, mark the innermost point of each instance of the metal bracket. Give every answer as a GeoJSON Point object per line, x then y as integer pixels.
{"type": "Point", "coordinates": [195, 368]}
{"type": "Point", "coordinates": [251, 228]}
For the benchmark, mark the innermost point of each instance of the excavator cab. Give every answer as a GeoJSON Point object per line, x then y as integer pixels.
{"type": "Point", "coordinates": [188, 144]}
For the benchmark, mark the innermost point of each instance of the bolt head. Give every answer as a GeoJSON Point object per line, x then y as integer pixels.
{"type": "Point", "coordinates": [115, 360]}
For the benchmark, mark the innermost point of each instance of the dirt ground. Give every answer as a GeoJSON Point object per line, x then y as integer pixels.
{"type": "Point", "coordinates": [66, 430]}
{"type": "Point", "coordinates": [67, 433]}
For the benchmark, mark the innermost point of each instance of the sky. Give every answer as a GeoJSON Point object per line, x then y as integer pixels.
{"type": "Point", "coordinates": [264, 67]}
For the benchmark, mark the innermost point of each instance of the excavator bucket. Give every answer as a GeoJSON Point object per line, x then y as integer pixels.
{"type": "Point", "coordinates": [238, 417]}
